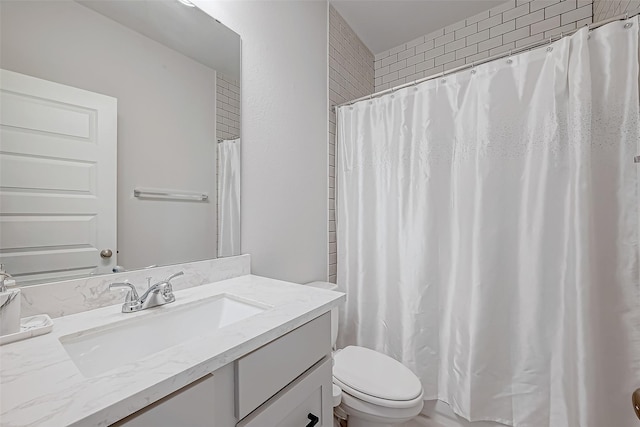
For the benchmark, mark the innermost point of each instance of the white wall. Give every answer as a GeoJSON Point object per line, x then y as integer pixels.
{"type": "Point", "coordinates": [284, 130]}
{"type": "Point", "coordinates": [67, 43]}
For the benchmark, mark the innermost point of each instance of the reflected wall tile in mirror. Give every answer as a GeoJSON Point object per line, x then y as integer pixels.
{"type": "Point", "coordinates": [175, 73]}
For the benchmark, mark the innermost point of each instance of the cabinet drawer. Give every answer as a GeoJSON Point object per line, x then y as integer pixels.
{"type": "Point", "coordinates": [310, 394]}
{"type": "Point", "coordinates": [264, 372]}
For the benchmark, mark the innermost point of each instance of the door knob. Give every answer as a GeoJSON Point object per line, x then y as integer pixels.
{"type": "Point", "coordinates": [635, 398]}
{"type": "Point", "coordinates": [106, 253]}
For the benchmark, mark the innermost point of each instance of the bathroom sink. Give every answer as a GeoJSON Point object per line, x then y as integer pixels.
{"type": "Point", "coordinates": [99, 350]}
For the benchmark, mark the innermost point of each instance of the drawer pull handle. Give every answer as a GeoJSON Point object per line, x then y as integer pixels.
{"type": "Point", "coordinates": [314, 420]}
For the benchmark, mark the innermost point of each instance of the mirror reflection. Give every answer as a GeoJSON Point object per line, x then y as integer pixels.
{"type": "Point", "coordinates": [120, 137]}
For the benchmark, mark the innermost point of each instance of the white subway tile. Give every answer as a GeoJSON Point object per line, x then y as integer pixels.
{"type": "Point", "coordinates": [478, 37]}
{"type": "Point", "coordinates": [427, 45]}
{"type": "Point", "coordinates": [503, 7]}
{"type": "Point", "coordinates": [477, 57]}
{"type": "Point", "coordinates": [541, 4]}
{"type": "Point", "coordinates": [556, 31]}
{"type": "Point", "coordinates": [559, 8]}
{"type": "Point", "coordinates": [531, 39]}
{"type": "Point", "coordinates": [516, 13]}
{"type": "Point", "coordinates": [390, 59]}
{"type": "Point", "coordinates": [378, 80]}
{"type": "Point", "coordinates": [433, 71]}
{"type": "Point", "coordinates": [415, 42]}
{"type": "Point", "coordinates": [576, 15]}
{"type": "Point", "coordinates": [520, 2]}
{"type": "Point", "coordinates": [407, 71]}
{"type": "Point", "coordinates": [434, 34]}
{"type": "Point", "coordinates": [466, 31]}
{"type": "Point", "coordinates": [502, 49]}
{"type": "Point", "coordinates": [406, 53]}
{"type": "Point", "coordinates": [490, 44]}
{"type": "Point", "coordinates": [415, 76]}
{"type": "Point", "coordinates": [390, 77]}
{"type": "Point", "coordinates": [453, 27]}
{"type": "Point", "coordinates": [502, 28]}
{"type": "Point", "coordinates": [382, 71]}
{"type": "Point", "coordinates": [454, 64]}
{"type": "Point", "coordinates": [430, 63]}
{"type": "Point", "coordinates": [447, 38]}
{"type": "Point", "coordinates": [515, 35]}
{"type": "Point", "coordinates": [415, 59]}
{"type": "Point", "coordinates": [443, 59]}
{"type": "Point", "coordinates": [479, 17]}
{"type": "Point", "coordinates": [397, 49]}
{"type": "Point", "coordinates": [467, 51]}
{"type": "Point", "coordinates": [455, 45]}
{"type": "Point", "coordinates": [396, 66]}
{"type": "Point", "coordinates": [547, 24]}
{"type": "Point", "coordinates": [491, 22]}
{"type": "Point", "coordinates": [529, 19]}
{"type": "Point", "coordinates": [584, 22]}
{"type": "Point", "coordinates": [437, 51]}
{"type": "Point", "coordinates": [380, 56]}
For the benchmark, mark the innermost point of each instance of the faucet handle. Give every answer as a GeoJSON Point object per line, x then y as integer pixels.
{"type": "Point", "coordinates": [132, 295]}
{"type": "Point", "coordinates": [173, 276]}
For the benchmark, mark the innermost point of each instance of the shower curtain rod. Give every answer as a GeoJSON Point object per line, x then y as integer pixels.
{"type": "Point", "coordinates": [622, 17]}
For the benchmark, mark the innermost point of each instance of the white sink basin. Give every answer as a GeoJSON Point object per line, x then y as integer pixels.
{"type": "Point", "coordinates": [99, 350]}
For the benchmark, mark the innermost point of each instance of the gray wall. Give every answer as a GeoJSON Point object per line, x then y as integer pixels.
{"type": "Point", "coordinates": [284, 134]}
{"type": "Point", "coordinates": [67, 43]}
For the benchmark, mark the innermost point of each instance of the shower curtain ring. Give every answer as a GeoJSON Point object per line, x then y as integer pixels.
{"type": "Point", "coordinates": [626, 16]}
{"type": "Point", "coordinates": [473, 67]}
{"type": "Point", "coordinates": [509, 60]}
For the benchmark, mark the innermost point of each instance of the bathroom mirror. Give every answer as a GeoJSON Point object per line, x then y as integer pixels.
{"type": "Point", "coordinates": [159, 80]}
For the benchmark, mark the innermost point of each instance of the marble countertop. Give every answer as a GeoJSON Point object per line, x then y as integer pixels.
{"type": "Point", "coordinates": [41, 386]}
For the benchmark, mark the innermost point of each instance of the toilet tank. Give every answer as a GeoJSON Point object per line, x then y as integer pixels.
{"type": "Point", "coordinates": [334, 311]}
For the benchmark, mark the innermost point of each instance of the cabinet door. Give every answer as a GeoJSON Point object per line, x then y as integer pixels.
{"type": "Point", "coordinates": [295, 406]}
{"type": "Point", "coordinates": [207, 402]}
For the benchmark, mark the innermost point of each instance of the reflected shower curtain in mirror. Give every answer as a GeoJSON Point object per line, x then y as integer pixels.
{"type": "Point", "coordinates": [488, 232]}
{"type": "Point", "coordinates": [229, 197]}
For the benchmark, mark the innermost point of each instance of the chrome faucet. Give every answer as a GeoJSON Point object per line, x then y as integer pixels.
{"type": "Point", "coordinates": [158, 294]}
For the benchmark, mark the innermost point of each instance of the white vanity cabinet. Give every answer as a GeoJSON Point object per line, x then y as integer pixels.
{"type": "Point", "coordinates": [285, 383]}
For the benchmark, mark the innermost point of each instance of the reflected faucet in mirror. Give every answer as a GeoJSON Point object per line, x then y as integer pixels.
{"type": "Point", "coordinates": [160, 293]}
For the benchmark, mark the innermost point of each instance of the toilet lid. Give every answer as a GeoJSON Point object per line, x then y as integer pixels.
{"type": "Point", "coordinates": [375, 374]}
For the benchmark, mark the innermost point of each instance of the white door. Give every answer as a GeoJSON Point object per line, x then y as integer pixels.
{"type": "Point", "coordinates": [57, 179]}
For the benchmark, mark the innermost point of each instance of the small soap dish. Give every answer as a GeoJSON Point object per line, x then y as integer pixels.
{"type": "Point", "coordinates": [29, 327]}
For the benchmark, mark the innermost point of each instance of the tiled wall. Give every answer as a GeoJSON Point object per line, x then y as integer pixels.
{"type": "Point", "coordinates": [512, 24]}
{"type": "Point", "coordinates": [604, 9]}
{"type": "Point", "coordinates": [350, 77]}
{"type": "Point", "coordinates": [228, 107]}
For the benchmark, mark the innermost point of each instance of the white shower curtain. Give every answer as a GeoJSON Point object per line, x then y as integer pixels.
{"type": "Point", "coordinates": [229, 197]}
{"type": "Point", "coordinates": [488, 233]}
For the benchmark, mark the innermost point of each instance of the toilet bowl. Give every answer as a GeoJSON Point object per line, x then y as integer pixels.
{"type": "Point", "coordinates": [377, 390]}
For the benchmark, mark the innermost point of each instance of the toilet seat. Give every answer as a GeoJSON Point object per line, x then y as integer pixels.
{"type": "Point", "coordinates": [376, 378]}
{"type": "Point", "coordinates": [385, 403]}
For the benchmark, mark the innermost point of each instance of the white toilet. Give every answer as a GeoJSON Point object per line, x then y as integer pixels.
{"type": "Point", "coordinates": [377, 391]}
